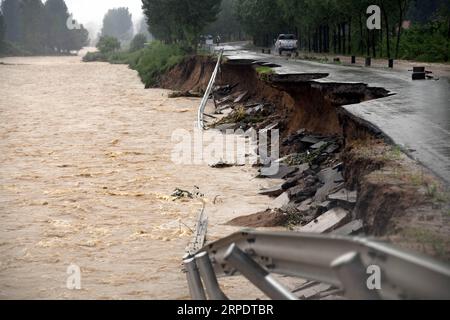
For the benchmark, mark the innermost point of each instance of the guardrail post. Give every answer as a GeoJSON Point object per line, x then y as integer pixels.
{"type": "Point", "coordinates": [352, 274]}
{"type": "Point", "coordinates": [209, 277]}
{"type": "Point", "coordinates": [193, 278]}
{"type": "Point", "coordinates": [257, 274]}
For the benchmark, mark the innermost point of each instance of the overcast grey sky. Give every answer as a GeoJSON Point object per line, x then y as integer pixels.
{"type": "Point", "coordinates": [88, 11]}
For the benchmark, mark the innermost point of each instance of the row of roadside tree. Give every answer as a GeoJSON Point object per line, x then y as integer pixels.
{"type": "Point", "coordinates": [411, 29]}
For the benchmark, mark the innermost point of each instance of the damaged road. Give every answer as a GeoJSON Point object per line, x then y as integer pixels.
{"type": "Point", "coordinates": [415, 116]}
{"type": "Point", "coordinates": [339, 173]}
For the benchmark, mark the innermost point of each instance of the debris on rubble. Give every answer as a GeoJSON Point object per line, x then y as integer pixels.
{"type": "Point", "coordinates": [265, 219]}
{"type": "Point", "coordinates": [307, 188]}
{"type": "Point", "coordinates": [222, 164]}
{"type": "Point", "coordinates": [281, 201]}
{"type": "Point", "coordinates": [240, 97]}
{"type": "Point", "coordinates": [350, 228]}
{"type": "Point", "coordinates": [180, 194]}
{"type": "Point", "coordinates": [311, 290]}
{"type": "Point", "coordinates": [319, 145]}
{"type": "Point", "coordinates": [327, 222]}
{"type": "Point", "coordinates": [272, 192]}
{"type": "Point", "coordinates": [226, 126]}
{"type": "Point", "coordinates": [332, 181]}
{"type": "Point", "coordinates": [225, 90]}
{"type": "Point", "coordinates": [292, 182]}
{"type": "Point", "coordinates": [344, 196]}
{"type": "Point", "coordinates": [305, 205]}
{"type": "Point", "coordinates": [185, 94]}
{"type": "Point", "coordinates": [244, 117]}
{"type": "Point", "coordinates": [282, 172]}
{"type": "Point", "coordinates": [312, 197]}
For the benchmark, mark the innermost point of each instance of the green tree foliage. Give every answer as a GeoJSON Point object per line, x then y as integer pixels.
{"type": "Point", "coordinates": [227, 25]}
{"type": "Point", "coordinates": [77, 39]}
{"type": "Point", "coordinates": [138, 42]}
{"type": "Point", "coordinates": [180, 21]}
{"type": "Point", "coordinates": [118, 23]}
{"type": "Point", "coordinates": [41, 28]}
{"type": "Point", "coordinates": [12, 19]}
{"type": "Point", "coordinates": [33, 25]}
{"type": "Point", "coordinates": [339, 26]}
{"type": "Point", "coordinates": [56, 16]}
{"type": "Point", "coordinates": [144, 29]}
{"type": "Point", "coordinates": [262, 19]}
{"type": "Point", "coordinates": [107, 44]}
{"type": "Point", "coordinates": [429, 41]}
{"type": "Point", "coordinates": [2, 30]}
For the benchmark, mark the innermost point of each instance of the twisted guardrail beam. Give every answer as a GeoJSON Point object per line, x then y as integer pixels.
{"type": "Point", "coordinates": [201, 109]}
{"type": "Point", "coordinates": [335, 260]}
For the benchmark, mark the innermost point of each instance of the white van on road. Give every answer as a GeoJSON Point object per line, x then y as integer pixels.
{"type": "Point", "coordinates": [286, 42]}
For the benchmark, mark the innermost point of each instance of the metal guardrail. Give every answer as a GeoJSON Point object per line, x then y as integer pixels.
{"type": "Point", "coordinates": [199, 239]}
{"type": "Point", "coordinates": [201, 109]}
{"type": "Point", "coordinates": [335, 260]}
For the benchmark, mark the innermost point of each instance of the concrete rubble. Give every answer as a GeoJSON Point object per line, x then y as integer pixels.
{"type": "Point", "coordinates": [313, 196]}
{"type": "Point", "coordinates": [313, 193]}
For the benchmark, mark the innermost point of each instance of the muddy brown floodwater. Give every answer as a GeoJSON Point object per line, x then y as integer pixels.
{"type": "Point", "coordinates": [85, 179]}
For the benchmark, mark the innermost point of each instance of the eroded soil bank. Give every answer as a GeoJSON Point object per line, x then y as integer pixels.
{"type": "Point", "coordinates": [398, 199]}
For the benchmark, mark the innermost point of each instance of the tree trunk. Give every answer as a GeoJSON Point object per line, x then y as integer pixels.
{"type": "Point", "coordinates": [361, 36]}
{"type": "Point", "coordinates": [334, 40]}
{"type": "Point", "coordinates": [320, 39]}
{"type": "Point", "coordinates": [386, 22]}
{"type": "Point", "coordinates": [344, 46]}
{"type": "Point", "coordinates": [402, 6]}
{"type": "Point", "coordinates": [339, 38]}
{"type": "Point", "coordinates": [309, 40]}
{"type": "Point", "coordinates": [374, 44]}
{"type": "Point", "coordinates": [368, 43]}
{"type": "Point", "coordinates": [350, 36]}
{"type": "Point", "coordinates": [381, 42]}
{"type": "Point", "coordinates": [448, 30]}
{"type": "Point", "coordinates": [328, 38]}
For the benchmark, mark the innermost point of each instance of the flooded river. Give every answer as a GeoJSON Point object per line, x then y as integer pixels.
{"type": "Point", "coordinates": [85, 179]}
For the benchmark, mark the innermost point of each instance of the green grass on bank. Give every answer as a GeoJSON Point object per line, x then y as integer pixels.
{"type": "Point", "coordinates": [264, 70]}
{"type": "Point", "coordinates": [151, 62]}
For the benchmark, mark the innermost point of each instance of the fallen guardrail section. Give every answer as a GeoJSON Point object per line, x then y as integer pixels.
{"type": "Point", "coordinates": [201, 228]}
{"type": "Point", "coordinates": [206, 96]}
{"type": "Point", "coordinates": [336, 260]}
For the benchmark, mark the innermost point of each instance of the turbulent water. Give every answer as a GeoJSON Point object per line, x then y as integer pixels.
{"type": "Point", "coordinates": [86, 177]}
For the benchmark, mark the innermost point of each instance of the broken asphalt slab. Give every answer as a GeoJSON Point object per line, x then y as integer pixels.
{"type": "Point", "coordinates": [282, 172]}
{"type": "Point", "coordinates": [332, 181]}
{"type": "Point", "coordinates": [345, 196]}
{"type": "Point", "coordinates": [404, 117]}
{"type": "Point", "coordinates": [329, 221]}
